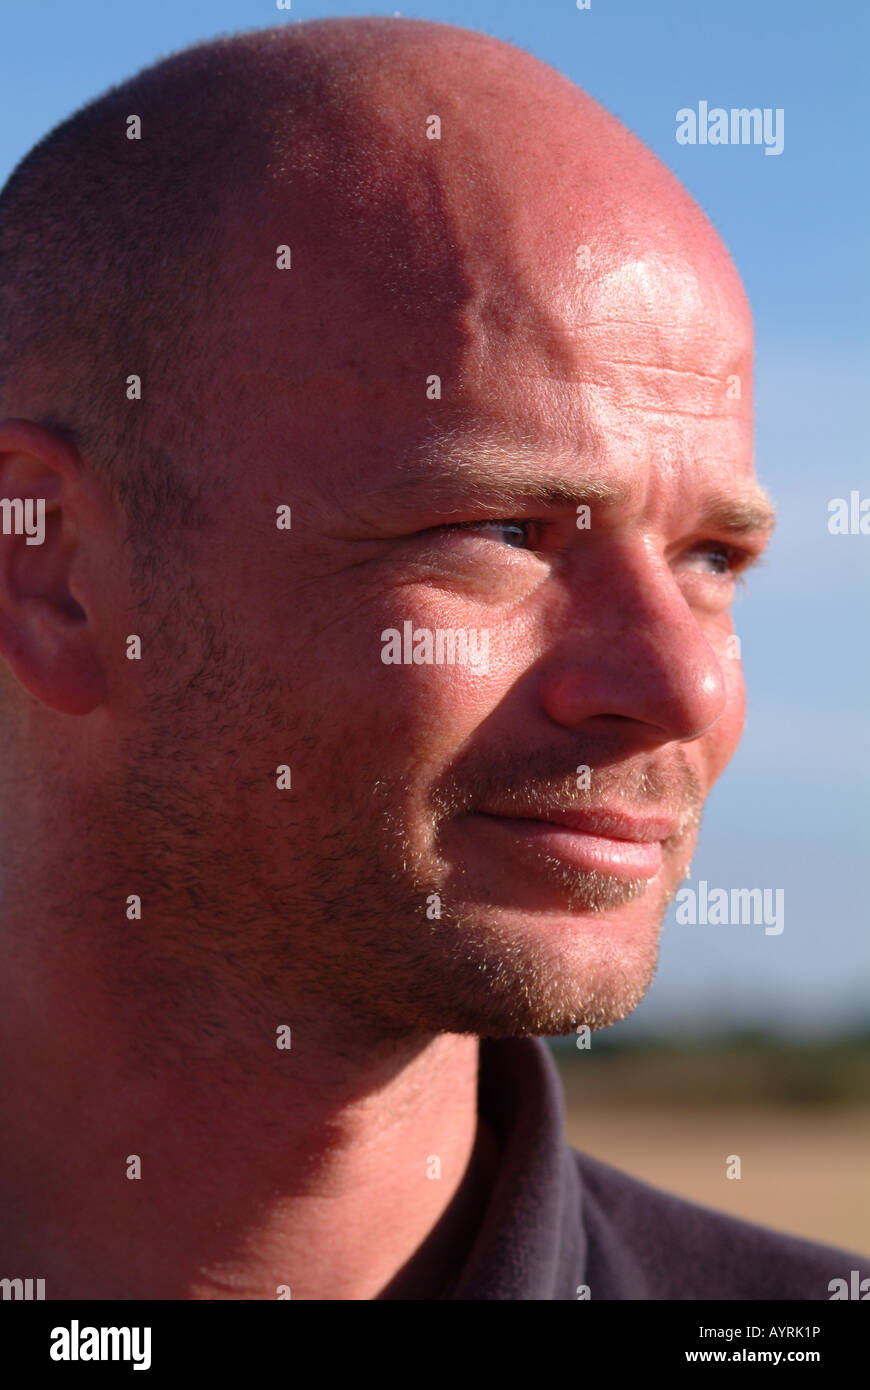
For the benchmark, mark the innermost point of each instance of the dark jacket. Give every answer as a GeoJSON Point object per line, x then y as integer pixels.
{"type": "Point", "coordinates": [559, 1223]}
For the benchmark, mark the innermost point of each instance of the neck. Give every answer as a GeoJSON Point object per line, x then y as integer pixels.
{"type": "Point", "coordinates": [343, 1166]}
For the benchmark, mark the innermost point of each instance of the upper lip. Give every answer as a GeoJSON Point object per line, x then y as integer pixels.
{"type": "Point", "coordinates": [609, 823]}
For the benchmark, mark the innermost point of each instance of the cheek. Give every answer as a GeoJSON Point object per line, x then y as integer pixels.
{"type": "Point", "coordinates": [442, 665]}
{"type": "Point", "coordinates": [441, 710]}
{"type": "Point", "coordinates": [404, 676]}
{"type": "Point", "coordinates": [436, 702]}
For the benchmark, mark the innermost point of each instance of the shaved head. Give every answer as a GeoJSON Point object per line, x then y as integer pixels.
{"type": "Point", "coordinates": [411, 284]}
{"type": "Point", "coordinates": [436, 359]}
{"type": "Point", "coordinates": [124, 256]}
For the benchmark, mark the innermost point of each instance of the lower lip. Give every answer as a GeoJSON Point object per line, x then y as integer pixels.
{"type": "Point", "coordinates": [595, 853]}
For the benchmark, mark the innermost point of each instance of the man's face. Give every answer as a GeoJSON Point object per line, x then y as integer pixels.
{"type": "Point", "coordinates": [421, 874]}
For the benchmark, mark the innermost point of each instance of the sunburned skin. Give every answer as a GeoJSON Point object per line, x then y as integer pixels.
{"type": "Point", "coordinates": [418, 885]}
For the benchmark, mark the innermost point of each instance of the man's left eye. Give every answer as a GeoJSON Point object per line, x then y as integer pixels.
{"type": "Point", "coordinates": [725, 559]}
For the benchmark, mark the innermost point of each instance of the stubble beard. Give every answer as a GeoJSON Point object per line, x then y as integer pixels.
{"type": "Point", "coordinates": [499, 974]}
{"type": "Point", "coordinates": [338, 917]}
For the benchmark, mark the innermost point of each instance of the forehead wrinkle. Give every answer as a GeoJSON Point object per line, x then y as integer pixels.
{"type": "Point", "coordinates": [669, 371]}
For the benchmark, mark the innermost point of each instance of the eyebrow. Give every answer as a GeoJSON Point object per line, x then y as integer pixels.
{"type": "Point", "coordinates": [501, 479]}
{"type": "Point", "coordinates": [740, 515]}
{"type": "Point", "coordinates": [477, 487]}
{"type": "Point", "coordinates": [489, 474]}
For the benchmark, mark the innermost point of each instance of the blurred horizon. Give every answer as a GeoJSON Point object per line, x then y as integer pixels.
{"type": "Point", "coordinates": [675, 1112]}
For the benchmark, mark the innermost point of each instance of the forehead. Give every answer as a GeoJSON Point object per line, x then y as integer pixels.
{"type": "Point", "coordinates": [546, 307]}
{"type": "Point", "coordinates": [646, 354]}
{"type": "Point", "coordinates": [638, 392]}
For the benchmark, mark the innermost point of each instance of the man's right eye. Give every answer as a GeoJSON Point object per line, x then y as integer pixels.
{"type": "Point", "coordinates": [514, 532]}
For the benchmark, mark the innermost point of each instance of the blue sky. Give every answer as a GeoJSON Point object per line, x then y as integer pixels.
{"type": "Point", "coordinates": [791, 812]}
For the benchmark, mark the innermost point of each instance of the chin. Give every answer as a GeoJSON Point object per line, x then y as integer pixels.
{"type": "Point", "coordinates": [510, 973]}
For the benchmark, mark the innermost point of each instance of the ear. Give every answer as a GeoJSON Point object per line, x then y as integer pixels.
{"type": "Point", "coordinates": [49, 513]}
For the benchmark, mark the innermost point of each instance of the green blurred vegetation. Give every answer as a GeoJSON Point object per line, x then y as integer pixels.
{"type": "Point", "coordinates": [750, 1068]}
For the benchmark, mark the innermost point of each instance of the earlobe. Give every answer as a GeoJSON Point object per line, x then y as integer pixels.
{"type": "Point", "coordinates": [47, 638]}
{"type": "Point", "coordinates": [59, 669]}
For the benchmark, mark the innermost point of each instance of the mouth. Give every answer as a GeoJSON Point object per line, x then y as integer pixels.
{"type": "Point", "coordinates": [606, 841]}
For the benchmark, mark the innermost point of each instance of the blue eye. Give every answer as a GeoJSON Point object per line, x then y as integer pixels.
{"type": "Point", "coordinates": [721, 559]}
{"type": "Point", "coordinates": [727, 559]}
{"type": "Point", "coordinates": [515, 533]}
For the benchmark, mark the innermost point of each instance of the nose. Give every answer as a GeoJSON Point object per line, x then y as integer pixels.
{"type": "Point", "coordinates": [633, 648]}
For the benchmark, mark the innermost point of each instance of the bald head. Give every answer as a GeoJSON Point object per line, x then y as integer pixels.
{"type": "Point", "coordinates": [135, 257]}
{"type": "Point", "coordinates": [412, 284]}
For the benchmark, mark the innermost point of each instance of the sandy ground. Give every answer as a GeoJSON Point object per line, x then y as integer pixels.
{"type": "Point", "coordinates": [806, 1172]}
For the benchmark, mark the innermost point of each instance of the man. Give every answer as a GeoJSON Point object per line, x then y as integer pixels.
{"type": "Point", "coordinates": [390, 408]}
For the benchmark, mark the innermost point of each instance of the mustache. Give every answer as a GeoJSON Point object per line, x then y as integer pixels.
{"type": "Point", "coordinates": [534, 782]}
